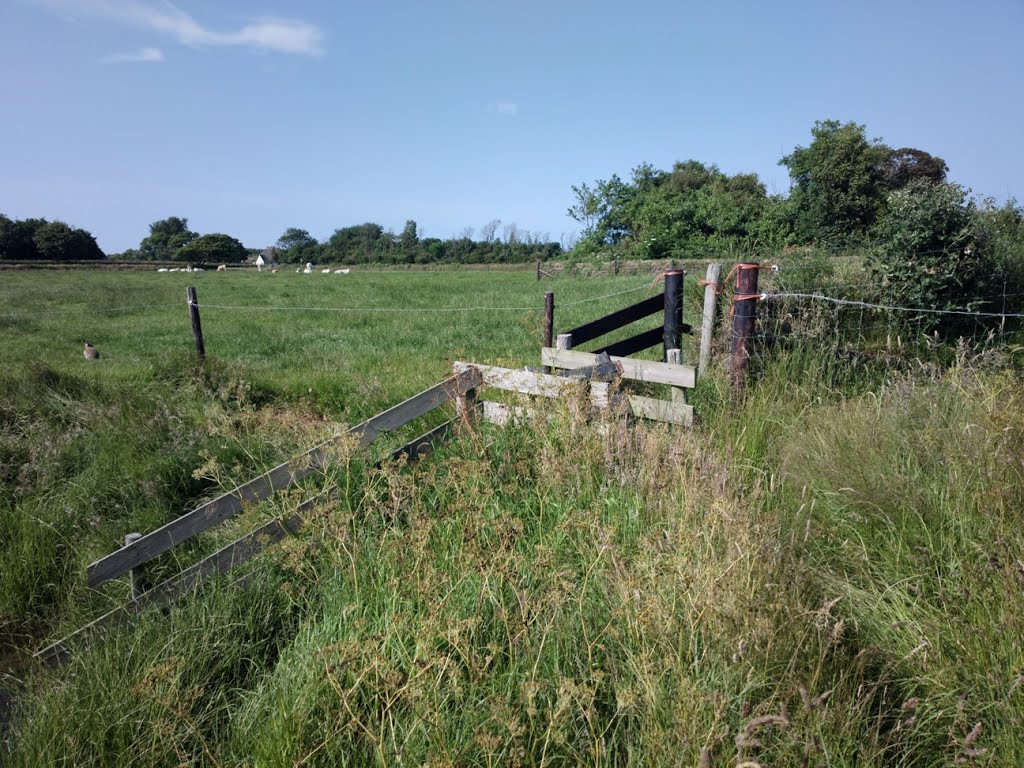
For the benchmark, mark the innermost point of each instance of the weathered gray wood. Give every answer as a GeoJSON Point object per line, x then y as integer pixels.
{"type": "Point", "coordinates": [424, 444]}
{"type": "Point", "coordinates": [708, 323]}
{"type": "Point", "coordinates": [601, 396]}
{"type": "Point", "coordinates": [675, 357]}
{"type": "Point", "coordinates": [503, 415]}
{"type": "Point", "coordinates": [661, 410]}
{"type": "Point", "coordinates": [637, 370]}
{"type": "Point", "coordinates": [136, 575]}
{"type": "Point", "coordinates": [197, 326]}
{"type": "Point", "coordinates": [563, 341]}
{"type": "Point", "coordinates": [216, 511]}
{"type": "Point", "coordinates": [237, 552]}
{"type": "Point", "coordinates": [524, 382]}
{"type": "Point", "coordinates": [589, 331]}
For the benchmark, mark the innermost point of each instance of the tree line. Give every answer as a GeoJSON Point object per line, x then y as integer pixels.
{"type": "Point", "coordinates": [42, 240]}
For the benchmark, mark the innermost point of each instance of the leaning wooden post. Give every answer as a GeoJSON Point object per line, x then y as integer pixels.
{"type": "Point", "coordinates": [135, 575]}
{"type": "Point", "coordinates": [707, 327]}
{"type": "Point", "coordinates": [673, 310]}
{"type": "Point", "coordinates": [549, 321]}
{"type": "Point", "coordinates": [197, 328]}
{"type": "Point", "coordinates": [744, 309]}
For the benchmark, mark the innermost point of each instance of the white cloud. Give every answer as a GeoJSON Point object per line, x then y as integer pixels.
{"type": "Point", "coordinates": [143, 54]}
{"type": "Point", "coordinates": [265, 34]}
{"type": "Point", "coordinates": [507, 108]}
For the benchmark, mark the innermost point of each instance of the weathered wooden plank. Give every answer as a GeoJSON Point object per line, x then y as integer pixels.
{"type": "Point", "coordinates": [661, 410]}
{"type": "Point", "coordinates": [503, 415]}
{"type": "Point", "coordinates": [608, 323]}
{"type": "Point", "coordinates": [221, 561]}
{"type": "Point", "coordinates": [424, 444]}
{"type": "Point", "coordinates": [524, 382]}
{"type": "Point", "coordinates": [216, 511]}
{"type": "Point", "coordinates": [237, 552]}
{"type": "Point", "coordinates": [634, 344]}
{"type": "Point", "coordinates": [637, 370]}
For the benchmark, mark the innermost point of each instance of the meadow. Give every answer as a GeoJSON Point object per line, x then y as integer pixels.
{"type": "Point", "coordinates": [827, 573]}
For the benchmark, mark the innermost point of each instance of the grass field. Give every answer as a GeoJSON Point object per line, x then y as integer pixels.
{"type": "Point", "coordinates": [828, 573]}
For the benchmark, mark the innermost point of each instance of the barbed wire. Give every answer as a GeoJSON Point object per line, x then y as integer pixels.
{"type": "Point", "coordinates": [887, 307]}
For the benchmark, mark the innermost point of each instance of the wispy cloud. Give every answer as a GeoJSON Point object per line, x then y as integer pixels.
{"type": "Point", "coordinates": [267, 33]}
{"type": "Point", "coordinates": [141, 55]}
{"type": "Point", "coordinates": [509, 108]}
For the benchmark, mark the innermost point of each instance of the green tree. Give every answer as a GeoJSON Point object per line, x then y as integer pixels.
{"type": "Point", "coordinates": [409, 238]}
{"type": "Point", "coordinates": [212, 249]}
{"type": "Point", "coordinates": [165, 238]}
{"type": "Point", "coordinates": [838, 189]}
{"type": "Point", "coordinates": [297, 245]}
{"type": "Point", "coordinates": [932, 253]}
{"type": "Point", "coordinates": [58, 241]}
{"type": "Point", "coordinates": [907, 164]}
{"type": "Point", "coordinates": [17, 238]}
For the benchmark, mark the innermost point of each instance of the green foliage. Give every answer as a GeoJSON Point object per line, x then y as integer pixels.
{"type": "Point", "coordinates": [166, 237]}
{"type": "Point", "coordinates": [57, 241]}
{"type": "Point", "coordinates": [837, 184]}
{"type": "Point", "coordinates": [825, 571]}
{"type": "Point", "coordinates": [297, 246]}
{"type": "Point", "coordinates": [689, 211]}
{"type": "Point", "coordinates": [931, 252]}
{"type": "Point", "coordinates": [212, 249]}
{"type": "Point", "coordinates": [32, 239]}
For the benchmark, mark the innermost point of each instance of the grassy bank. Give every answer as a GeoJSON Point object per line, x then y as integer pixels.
{"type": "Point", "coordinates": [828, 573]}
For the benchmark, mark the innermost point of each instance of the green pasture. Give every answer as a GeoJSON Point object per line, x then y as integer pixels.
{"type": "Point", "coordinates": [827, 572]}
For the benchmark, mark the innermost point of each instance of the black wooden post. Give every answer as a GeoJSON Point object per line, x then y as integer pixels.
{"type": "Point", "coordinates": [673, 310]}
{"type": "Point", "coordinates": [744, 308]}
{"type": "Point", "coordinates": [549, 322]}
{"type": "Point", "coordinates": [197, 328]}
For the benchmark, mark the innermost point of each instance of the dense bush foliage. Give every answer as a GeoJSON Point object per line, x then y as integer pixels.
{"type": "Point", "coordinates": [39, 239]}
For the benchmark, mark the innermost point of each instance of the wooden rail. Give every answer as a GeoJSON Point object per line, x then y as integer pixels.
{"type": "Point", "coordinates": [637, 370]}
{"type": "Point", "coordinates": [225, 506]}
{"type": "Point", "coordinates": [239, 551]}
{"type": "Point", "coordinates": [590, 331]}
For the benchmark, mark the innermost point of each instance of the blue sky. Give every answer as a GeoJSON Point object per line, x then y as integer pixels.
{"type": "Point", "coordinates": [251, 117]}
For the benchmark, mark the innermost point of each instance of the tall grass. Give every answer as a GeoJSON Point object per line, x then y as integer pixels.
{"type": "Point", "coordinates": [826, 573]}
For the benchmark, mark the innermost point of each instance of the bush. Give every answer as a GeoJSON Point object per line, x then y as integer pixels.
{"type": "Point", "coordinates": [932, 254]}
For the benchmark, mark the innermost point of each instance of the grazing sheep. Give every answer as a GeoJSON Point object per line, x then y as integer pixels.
{"type": "Point", "coordinates": [325, 271]}
{"type": "Point", "coordinates": [90, 352]}
{"type": "Point", "coordinates": [162, 269]}
{"type": "Point", "coordinates": [309, 267]}
{"type": "Point", "coordinates": [222, 267]}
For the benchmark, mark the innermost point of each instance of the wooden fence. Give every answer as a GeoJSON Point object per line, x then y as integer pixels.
{"type": "Point", "coordinates": [462, 388]}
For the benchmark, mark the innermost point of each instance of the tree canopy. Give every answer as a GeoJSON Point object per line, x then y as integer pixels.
{"type": "Point", "coordinates": [212, 248]}
{"type": "Point", "coordinates": [39, 239]}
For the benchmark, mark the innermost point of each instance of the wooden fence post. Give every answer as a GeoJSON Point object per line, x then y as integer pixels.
{"type": "Point", "coordinates": [564, 341]}
{"type": "Point", "coordinates": [197, 328]}
{"type": "Point", "coordinates": [707, 328]}
{"type": "Point", "coordinates": [538, 270]}
{"type": "Point", "coordinates": [135, 575]}
{"type": "Point", "coordinates": [744, 308]}
{"type": "Point", "coordinates": [673, 310]}
{"type": "Point", "coordinates": [549, 321]}
{"type": "Point", "coordinates": [675, 357]}
{"type": "Point", "coordinates": [467, 405]}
